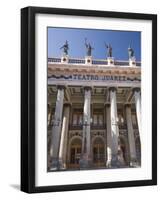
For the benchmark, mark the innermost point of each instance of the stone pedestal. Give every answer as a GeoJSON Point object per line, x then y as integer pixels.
{"type": "Point", "coordinates": [85, 162]}
{"type": "Point", "coordinates": [132, 62]}
{"type": "Point", "coordinates": [88, 60]}
{"type": "Point", "coordinates": [110, 61]}
{"type": "Point", "coordinates": [65, 59]}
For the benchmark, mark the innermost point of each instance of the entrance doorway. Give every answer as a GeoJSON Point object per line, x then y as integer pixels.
{"type": "Point", "coordinates": [98, 153]}
{"type": "Point", "coordinates": [75, 153]}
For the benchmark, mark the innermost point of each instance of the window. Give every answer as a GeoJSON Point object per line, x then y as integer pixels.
{"type": "Point", "coordinates": [74, 119]}
{"type": "Point", "coordinates": [80, 119]}
{"type": "Point", "coordinates": [77, 119]}
{"type": "Point", "coordinates": [120, 118]}
{"type": "Point", "coordinates": [134, 121]}
{"type": "Point", "coordinates": [94, 119]}
{"type": "Point", "coordinates": [98, 119]}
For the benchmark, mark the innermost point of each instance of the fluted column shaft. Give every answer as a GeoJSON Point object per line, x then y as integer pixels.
{"type": "Point", "coordinates": [64, 135]}
{"type": "Point", "coordinates": [137, 97]}
{"type": "Point", "coordinates": [109, 137]}
{"type": "Point", "coordinates": [56, 130]}
{"type": "Point", "coordinates": [114, 127]}
{"type": "Point", "coordinates": [131, 137]}
{"type": "Point", "coordinates": [86, 141]}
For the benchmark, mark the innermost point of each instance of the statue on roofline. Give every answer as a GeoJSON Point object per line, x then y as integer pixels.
{"type": "Point", "coordinates": [89, 48]}
{"type": "Point", "coordinates": [130, 52]}
{"type": "Point", "coordinates": [109, 50]}
{"type": "Point", "coordinates": [65, 48]}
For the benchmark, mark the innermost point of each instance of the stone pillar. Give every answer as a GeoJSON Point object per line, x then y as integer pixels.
{"type": "Point", "coordinates": [64, 137]}
{"type": "Point", "coordinates": [49, 115]}
{"type": "Point", "coordinates": [114, 129]}
{"type": "Point", "coordinates": [110, 61]}
{"type": "Point", "coordinates": [109, 138]}
{"type": "Point", "coordinates": [137, 97]}
{"type": "Point", "coordinates": [88, 60]}
{"type": "Point", "coordinates": [132, 62]}
{"type": "Point", "coordinates": [85, 161]}
{"type": "Point", "coordinates": [65, 59]}
{"type": "Point", "coordinates": [131, 137]}
{"type": "Point", "coordinates": [56, 130]}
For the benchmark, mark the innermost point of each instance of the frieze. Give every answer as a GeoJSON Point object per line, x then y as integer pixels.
{"type": "Point", "coordinates": [75, 133]}
{"type": "Point", "coordinates": [97, 133]}
{"type": "Point", "coordinates": [89, 77]}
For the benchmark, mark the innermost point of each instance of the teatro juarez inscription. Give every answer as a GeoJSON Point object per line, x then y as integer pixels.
{"type": "Point", "coordinates": [94, 77]}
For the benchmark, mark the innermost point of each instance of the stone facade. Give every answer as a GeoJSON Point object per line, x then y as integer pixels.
{"type": "Point", "coordinates": [94, 114]}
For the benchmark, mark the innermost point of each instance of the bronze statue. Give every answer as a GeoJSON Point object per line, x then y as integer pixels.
{"type": "Point", "coordinates": [89, 48]}
{"type": "Point", "coordinates": [130, 52]}
{"type": "Point", "coordinates": [109, 50]}
{"type": "Point", "coordinates": [65, 48]}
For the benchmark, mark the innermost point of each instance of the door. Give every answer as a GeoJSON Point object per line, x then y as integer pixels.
{"type": "Point", "coordinates": [98, 153]}
{"type": "Point", "coordinates": [75, 153]}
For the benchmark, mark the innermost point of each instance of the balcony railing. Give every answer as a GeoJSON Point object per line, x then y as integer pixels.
{"type": "Point", "coordinates": [93, 126]}
{"type": "Point", "coordinates": [75, 126]}
{"type": "Point", "coordinates": [98, 126]}
{"type": "Point", "coordinates": [94, 61]}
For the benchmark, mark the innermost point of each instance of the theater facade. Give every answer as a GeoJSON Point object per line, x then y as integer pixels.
{"type": "Point", "coordinates": [94, 113]}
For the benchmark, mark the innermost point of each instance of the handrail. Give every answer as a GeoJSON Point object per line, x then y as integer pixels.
{"type": "Point", "coordinates": [94, 61]}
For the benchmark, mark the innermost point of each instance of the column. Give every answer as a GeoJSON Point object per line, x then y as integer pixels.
{"type": "Point", "coordinates": [131, 137]}
{"type": "Point", "coordinates": [114, 128]}
{"type": "Point", "coordinates": [138, 107]}
{"type": "Point", "coordinates": [64, 137]}
{"type": "Point", "coordinates": [49, 115]}
{"type": "Point", "coordinates": [109, 138]}
{"type": "Point", "coordinates": [56, 130]}
{"type": "Point", "coordinates": [85, 161]}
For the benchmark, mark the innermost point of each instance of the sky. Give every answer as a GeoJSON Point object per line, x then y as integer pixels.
{"type": "Point", "coordinates": [119, 41]}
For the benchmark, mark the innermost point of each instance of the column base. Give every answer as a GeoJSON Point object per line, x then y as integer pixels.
{"type": "Point", "coordinates": [88, 60]}
{"type": "Point", "coordinates": [108, 164]}
{"type": "Point", "coordinates": [116, 162]}
{"type": "Point", "coordinates": [54, 165]}
{"type": "Point", "coordinates": [85, 162]}
{"type": "Point", "coordinates": [62, 165]}
{"type": "Point", "coordinates": [134, 163]}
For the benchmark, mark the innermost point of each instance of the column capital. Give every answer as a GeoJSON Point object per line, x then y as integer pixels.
{"type": "Point", "coordinates": [112, 89]}
{"type": "Point", "coordinates": [127, 105]}
{"type": "Point", "coordinates": [107, 104]}
{"type": "Point", "coordinates": [87, 88]}
{"type": "Point", "coordinates": [68, 104]}
{"type": "Point", "coordinates": [61, 87]}
{"type": "Point", "coordinates": [137, 89]}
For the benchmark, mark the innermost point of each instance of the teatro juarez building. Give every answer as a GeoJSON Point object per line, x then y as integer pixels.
{"type": "Point", "coordinates": [94, 112]}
